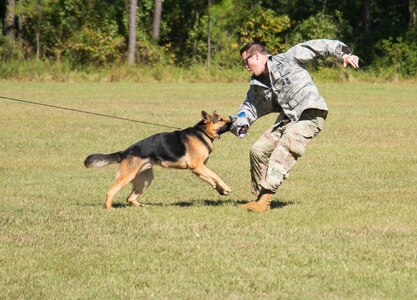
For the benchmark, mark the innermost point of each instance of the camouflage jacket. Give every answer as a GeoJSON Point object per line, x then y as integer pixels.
{"type": "Point", "coordinates": [289, 88]}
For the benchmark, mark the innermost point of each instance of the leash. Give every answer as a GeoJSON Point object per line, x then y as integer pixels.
{"type": "Point", "coordinates": [86, 112]}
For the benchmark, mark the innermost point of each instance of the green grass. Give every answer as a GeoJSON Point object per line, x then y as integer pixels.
{"type": "Point", "coordinates": [344, 225]}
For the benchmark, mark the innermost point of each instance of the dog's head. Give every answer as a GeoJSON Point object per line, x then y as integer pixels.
{"type": "Point", "coordinates": [214, 124]}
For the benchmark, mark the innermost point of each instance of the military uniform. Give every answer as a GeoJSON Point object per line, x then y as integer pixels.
{"type": "Point", "coordinates": [290, 91]}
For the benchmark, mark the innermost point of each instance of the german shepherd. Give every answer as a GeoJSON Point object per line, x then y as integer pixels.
{"type": "Point", "coordinates": [189, 148]}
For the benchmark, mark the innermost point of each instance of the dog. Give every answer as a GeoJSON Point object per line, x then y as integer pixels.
{"type": "Point", "coordinates": [189, 148]}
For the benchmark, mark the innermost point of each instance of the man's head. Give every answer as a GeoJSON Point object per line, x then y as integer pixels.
{"type": "Point", "coordinates": [254, 57]}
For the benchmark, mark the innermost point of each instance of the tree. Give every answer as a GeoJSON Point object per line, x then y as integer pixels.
{"type": "Point", "coordinates": [132, 32]}
{"type": "Point", "coordinates": [267, 27]}
{"type": "Point", "coordinates": [38, 14]}
{"type": "Point", "coordinates": [412, 9]}
{"type": "Point", "coordinates": [208, 36]}
{"type": "Point", "coordinates": [366, 14]}
{"type": "Point", "coordinates": [9, 22]}
{"type": "Point", "coordinates": [157, 20]}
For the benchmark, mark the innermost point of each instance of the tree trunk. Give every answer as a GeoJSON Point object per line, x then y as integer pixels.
{"type": "Point", "coordinates": [366, 23]}
{"type": "Point", "coordinates": [197, 20]}
{"type": "Point", "coordinates": [208, 37]}
{"type": "Point", "coordinates": [38, 43]}
{"type": "Point", "coordinates": [412, 9]}
{"type": "Point", "coordinates": [9, 22]}
{"type": "Point", "coordinates": [38, 31]}
{"type": "Point", "coordinates": [20, 28]}
{"type": "Point", "coordinates": [131, 55]}
{"type": "Point", "coordinates": [157, 20]}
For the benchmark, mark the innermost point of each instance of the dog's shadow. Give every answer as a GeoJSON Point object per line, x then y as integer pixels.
{"type": "Point", "coordinates": [275, 204]}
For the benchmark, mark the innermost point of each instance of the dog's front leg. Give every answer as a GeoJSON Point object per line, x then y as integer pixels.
{"type": "Point", "coordinates": [213, 179]}
{"type": "Point", "coordinates": [200, 172]}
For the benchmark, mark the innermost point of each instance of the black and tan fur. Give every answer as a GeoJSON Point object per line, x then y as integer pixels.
{"type": "Point", "coordinates": [182, 149]}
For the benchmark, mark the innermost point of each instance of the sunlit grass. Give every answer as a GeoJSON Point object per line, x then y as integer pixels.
{"type": "Point", "coordinates": [344, 225]}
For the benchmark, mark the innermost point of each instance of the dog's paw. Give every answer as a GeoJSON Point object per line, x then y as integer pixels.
{"type": "Point", "coordinates": [224, 191]}
{"type": "Point", "coordinates": [135, 203]}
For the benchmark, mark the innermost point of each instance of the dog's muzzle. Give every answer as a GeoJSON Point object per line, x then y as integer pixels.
{"type": "Point", "coordinates": [225, 128]}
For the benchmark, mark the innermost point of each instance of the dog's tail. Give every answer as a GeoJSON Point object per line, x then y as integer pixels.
{"type": "Point", "coordinates": [101, 160]}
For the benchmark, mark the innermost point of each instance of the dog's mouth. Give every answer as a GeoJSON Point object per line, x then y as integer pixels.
{"type": "Point", "coordinates": [224, 128]}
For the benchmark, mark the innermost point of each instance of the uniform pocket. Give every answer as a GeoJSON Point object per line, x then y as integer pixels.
{"type": "Point", "coordinates": [310, 127]}
{"type": "Point", "coordinates": [311, 122]}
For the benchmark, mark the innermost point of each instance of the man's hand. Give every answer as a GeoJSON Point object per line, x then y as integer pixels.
{"type": "Point", "coordinates": [240, 125]}
{"type": "Point", "coordinates": [352, 60]}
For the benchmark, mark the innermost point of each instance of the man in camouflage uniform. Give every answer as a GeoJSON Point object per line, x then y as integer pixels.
{"type": "Point", "coordinates": [281, 84]}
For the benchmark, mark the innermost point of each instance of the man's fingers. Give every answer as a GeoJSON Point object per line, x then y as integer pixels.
{"type": "Point", "coordinates": [354, 61]}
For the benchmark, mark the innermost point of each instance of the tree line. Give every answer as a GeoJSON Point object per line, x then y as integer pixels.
{"type": "Point", "coordinates": [188, 32]}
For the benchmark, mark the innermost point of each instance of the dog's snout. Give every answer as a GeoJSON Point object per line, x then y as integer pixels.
{"type": "Point", "coordinates": [225, 128]}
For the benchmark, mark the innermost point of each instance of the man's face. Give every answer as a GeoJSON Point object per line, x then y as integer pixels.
{"type": "Point", "coordinates": [254, 63]}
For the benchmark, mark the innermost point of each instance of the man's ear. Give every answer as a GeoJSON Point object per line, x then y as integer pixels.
{"type": "Point", "coordinates": [206, 116]}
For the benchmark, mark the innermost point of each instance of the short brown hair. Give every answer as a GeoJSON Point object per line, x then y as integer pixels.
{"type": "Point", "coordinates": [253, 47]}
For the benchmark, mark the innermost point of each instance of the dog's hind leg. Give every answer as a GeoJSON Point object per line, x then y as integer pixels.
{"type": "Point", "coordinates": [127, 171]}
{"type": "Point", "coordinates": [141, 182]}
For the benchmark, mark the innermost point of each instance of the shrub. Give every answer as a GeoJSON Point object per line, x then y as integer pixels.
{"type": "Point", "coordinates": [265, 26]}
{"type": "Point", "coordinates": [397, 57]}
{"type": "Point", "coordinates": [95, 47]}
{"type": "Point", "coordinates": [150, 53]}
{"type": "Point", "coordinates": [320, 26]}
{"type": "Point", "coordinates": [10, 50]}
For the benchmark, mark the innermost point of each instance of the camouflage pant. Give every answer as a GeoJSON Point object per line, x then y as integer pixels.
{"type": "Point", "coordinates": [275, 153]}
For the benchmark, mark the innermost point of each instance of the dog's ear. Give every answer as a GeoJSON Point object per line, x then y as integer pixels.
{"type": "Point", "coordinates": [215, 117]}
{"type": "Point", "coordinates": [206, 116]}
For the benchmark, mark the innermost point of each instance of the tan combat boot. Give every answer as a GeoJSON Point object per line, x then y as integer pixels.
{"type": "Point", "coordinates": [263, 203]}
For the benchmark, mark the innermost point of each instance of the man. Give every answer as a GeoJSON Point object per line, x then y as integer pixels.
{"type": "Point", "coordinates": [281, 84]}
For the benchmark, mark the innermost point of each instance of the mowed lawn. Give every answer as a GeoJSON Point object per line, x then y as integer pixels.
{"type": "Point", "coordinates": [343, 226]}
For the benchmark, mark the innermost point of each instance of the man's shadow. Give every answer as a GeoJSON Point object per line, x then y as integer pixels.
{"type": "Point", "coordinates": [230, 202]}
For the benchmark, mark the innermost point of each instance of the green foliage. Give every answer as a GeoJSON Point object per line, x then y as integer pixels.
{"type": "Point", "coordinates": [95, 32]}
{"type": "Point", "coordinates": [100, 47]}
{"type": "Point", "coordinates": [179, 18]}
{"type": "Point", "coordinates": [266, 26]}
{"type": "Point", "coordinates": [319, 26]}
{"type": "Point", "coordinates": [66, 27]}
{"type": "Point", "coordinates": [227, 18]}
{"type": "Point", "coordinates": [149, 53]}
{"type": "Point", "coordinates": [196, 44]}
{"type": "Point", "coordinates": [10, 50]}
{"type": "Point", "coordinates": [397, 56]}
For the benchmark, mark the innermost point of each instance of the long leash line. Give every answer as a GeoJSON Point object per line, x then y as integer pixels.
{"type": "Point", "coordinates": [87, 112]}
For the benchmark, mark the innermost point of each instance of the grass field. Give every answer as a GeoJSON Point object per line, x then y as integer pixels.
{"type": "Point", "coordinates": [344, 225]}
